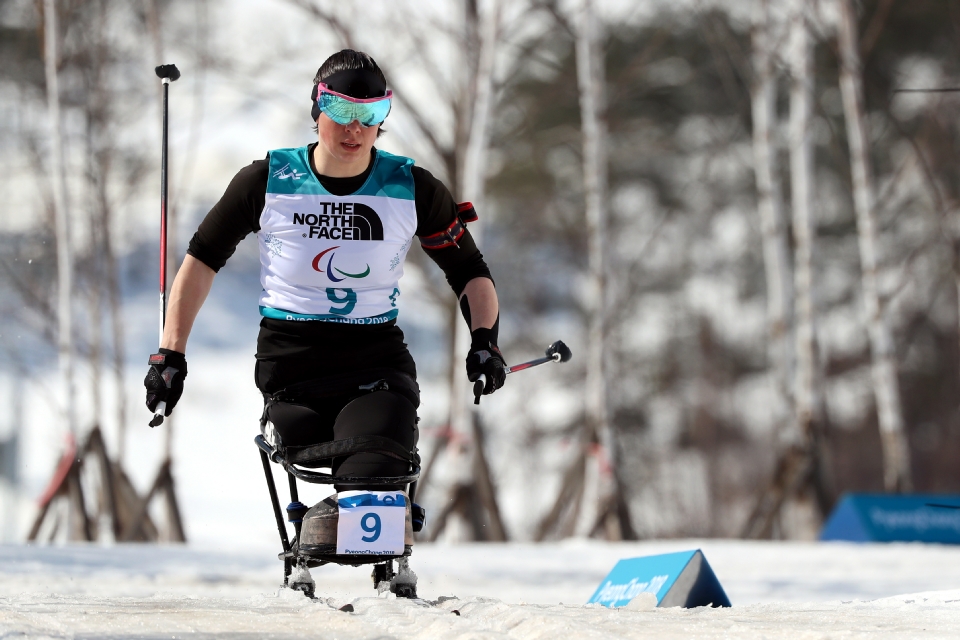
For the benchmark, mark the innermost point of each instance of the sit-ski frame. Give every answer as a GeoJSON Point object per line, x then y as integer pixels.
{"type": "Point", "coordinates": [292, 558]}
{"type": "Point", "coordinates": [383, 567]}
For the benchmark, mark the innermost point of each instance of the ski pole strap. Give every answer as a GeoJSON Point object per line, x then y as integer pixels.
{"type": "Point", "coordinates": [449, 236]}
{"type": "Point", "coordinates": [349, 446]}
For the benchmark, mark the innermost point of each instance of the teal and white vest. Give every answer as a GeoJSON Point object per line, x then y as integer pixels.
{"type": "Point", "coordinates": [334, 258]}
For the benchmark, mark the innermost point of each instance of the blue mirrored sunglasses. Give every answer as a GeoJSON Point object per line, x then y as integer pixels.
{"type": "Point", "coordinates": [344, 109]}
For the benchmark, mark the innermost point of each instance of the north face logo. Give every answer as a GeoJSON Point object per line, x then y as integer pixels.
{"type": "Point", "coordinates": [342, 221]}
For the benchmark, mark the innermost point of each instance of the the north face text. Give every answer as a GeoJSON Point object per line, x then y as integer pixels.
{"type": "Point", "coordinates": [341, 221]}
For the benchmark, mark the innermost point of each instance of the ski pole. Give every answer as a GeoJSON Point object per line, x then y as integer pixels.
{"type": "Point", "coordinates": [167, 73]}
{"type": "Point", "coordinates": [557, 352]}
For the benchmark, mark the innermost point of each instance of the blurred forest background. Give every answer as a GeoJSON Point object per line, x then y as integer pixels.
{"type": "Point", "coordinates": [746, 231]}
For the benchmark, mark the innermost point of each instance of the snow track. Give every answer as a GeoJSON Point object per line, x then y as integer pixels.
{"type": "Point", "coordinates": [936, 615]}
{"type": "Point", "coordinates": [168, 592]}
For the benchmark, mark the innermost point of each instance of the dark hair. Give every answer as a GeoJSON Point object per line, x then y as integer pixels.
{"type": "Point", "coordinates": [349, 60]}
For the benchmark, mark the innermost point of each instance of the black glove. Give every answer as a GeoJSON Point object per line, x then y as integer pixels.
{"type": "Point", "coordinates": [164, 381]}
{"type": "Point", "coordinates": [485, 358]}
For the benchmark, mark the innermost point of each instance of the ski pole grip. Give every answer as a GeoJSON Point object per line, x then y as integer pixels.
{"type": "Point", "coordinates": [478, 386]}
{"type": "Point", "coordinates": [157, 419]}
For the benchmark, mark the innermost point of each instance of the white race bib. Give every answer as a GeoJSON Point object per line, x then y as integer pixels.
{"type": "Point", "coordinates": [371, 522]}
{"type": "Point", "coordinates": [334, 258]}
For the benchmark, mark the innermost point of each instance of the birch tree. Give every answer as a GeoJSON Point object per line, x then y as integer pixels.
{"type": "Point", "coordinates": [463, 161]}
{"type": "Point", "coordinates": [592, 497]}
{"type": "Point", "coordinates": [776, 250]}
{"type": "Point", "coordinates": [471, 169]}
{"type": "Point", "coordinates": [58, 174]}
{"type": "Point", "coordinates": [609, 489]}
{"type": "Point", "coordinates": [801, 176]}
{"type": "Point", "coordinates": [886, 388]}
{"type": "Point", "coordinates": [65, 346]}
{"type": "Point", "coordinates": [799, 465]}
{"type": "Point", "coordinates": [472, 483]}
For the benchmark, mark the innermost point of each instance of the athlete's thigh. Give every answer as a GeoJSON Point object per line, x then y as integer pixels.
{"type": "Point", "coordinates": [381, 413]}
{"type": "Point", "coordinates": [302, 425]}
{"type": "Point", "coordinates": [300, 422]}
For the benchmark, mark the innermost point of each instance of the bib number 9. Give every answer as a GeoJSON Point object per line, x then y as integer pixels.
{"type": "Point", "coordinates": [348, 300]}
{"type": "Point", "coordinates": [370, 528]}
{"type": "Point", "coordinates": [371, 522]}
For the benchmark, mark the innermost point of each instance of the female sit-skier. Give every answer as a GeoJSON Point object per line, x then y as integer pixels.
{"type": "Point", "coordinates": [334, 221]}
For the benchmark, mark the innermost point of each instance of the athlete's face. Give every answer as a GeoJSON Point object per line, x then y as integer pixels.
{"type": "Point", "coordinates": [344, 149]}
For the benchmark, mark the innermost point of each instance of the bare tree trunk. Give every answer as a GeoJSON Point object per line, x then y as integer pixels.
{"type": "Point", "coordinates": [472, 179]}
{"type": "Point", "coordinates": [482, 28]}
{"type": "Point", "coordinates": [94, 276]}
{"type": "Point", "coordinates": [591, 81]}
{"type": "Point", "coordinates": [886, 387]}
{"type": "Point", "coordinates": [76, 517]}
{"type": "Point", "coordinates": [566, 507]}
{"type": "Point", "coordinates": [801, 171]}
{"type": "Point", "coordinates": [460, 494]}
{"type": "Point", "coordinates": [97, 112]}
{"type": "Point", "coordinates": [811, 414]}
{"type": "Point", "coordinates": [474, 168]}
{"type": "Point", "coordinates": [956, 279]}
{"type": "Point", "coordinates": [776, 249]}
{"type": "Point", "coordinates": [95, 354]}
{"type": "Point", "coordinates": [64, 248]}
{"type": "Point", "coordinates": [800, 465]}
{"type": "Point", "coordinates": [116, 323]}
{"type": "Point", "coordinates": [485, 487]}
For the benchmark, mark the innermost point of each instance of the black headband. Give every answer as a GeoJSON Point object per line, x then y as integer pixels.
{"type": "Point", "coordinates": [356, 83]}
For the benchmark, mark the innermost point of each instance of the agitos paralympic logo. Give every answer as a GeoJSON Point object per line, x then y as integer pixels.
{"type": "Point", "coordinates": [341, 221]}
{"type": "Point", "coordinates": [330, 268]}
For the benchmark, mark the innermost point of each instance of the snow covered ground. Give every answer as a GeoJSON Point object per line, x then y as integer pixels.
{"type": "Point", "coordinates": [778, 590]}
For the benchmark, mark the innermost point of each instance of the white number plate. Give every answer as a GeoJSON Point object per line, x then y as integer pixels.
{"type": "Point", "coordinates": [371, 522]}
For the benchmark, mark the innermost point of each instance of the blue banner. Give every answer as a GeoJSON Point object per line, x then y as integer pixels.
{"type": "Point", "coordinates": [895, 518]}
